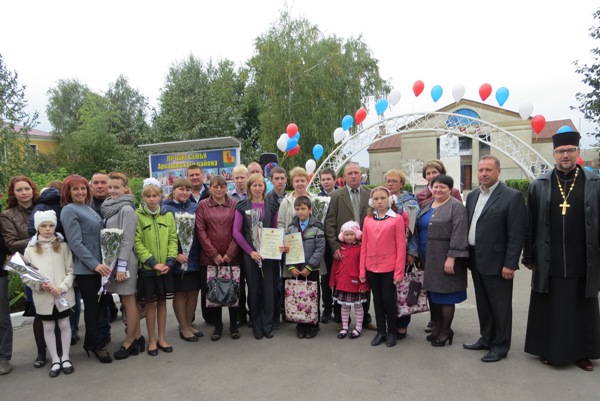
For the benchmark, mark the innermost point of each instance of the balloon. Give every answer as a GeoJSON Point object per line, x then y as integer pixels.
{"type": "Point", "coordinates": [538, 123]}
{"type": "Point", "coordinates": [485, 91]}
{"type": "Point", "coordinates": [291, 129]}
{"type": "Point", "coordinates": [394, 97]}
{"type": "Point", "coordinates": [317, 151]}
{"type": "Point", "coordinates": [589, 168]}
{"type": "Point", "coordinates": [458, 92]}
{"type": "Point", "coordinates": [338, 134]}
{"type": "Point", "coordinates": [580, 161]}
{"type": "Point", "coordinates": [294, 151]}
{"type": "Point", "coordinates": [347, 122]}
{"type": "Point", "coordinates": [291, 144]}
{"type": "Point", "coordinates": [297, 136]}
{"type": "Point", "coordinates": [381, 106]}
{"type": "Point", "coordinates": [525, 110]}
{"type": "Point", "coordinates": [564, 128]}
{"type": "Point", "coordinates": [310, 166]}
{"type": "Point", "coordinates": [360, 115]}
{"type": "Point", "coordinates": [310, 177]}
{"type": "Point", "coordinates": [282, 143]}
{"type": "Point", "coordinates": [502, 95]}
{"type": "Point", "coordinates": [436, 93]}
{"type": "Point", "coordinates": [418, 87]}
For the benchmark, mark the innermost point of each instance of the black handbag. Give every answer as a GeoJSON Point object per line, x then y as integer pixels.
{"type": "Point", "coordinates": [222, 290]}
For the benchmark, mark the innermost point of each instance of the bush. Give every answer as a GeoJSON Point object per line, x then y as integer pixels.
{"type": "Point", "coordinates": [520, 185]}
{"type": "Point", "coordinates": [16, 293]}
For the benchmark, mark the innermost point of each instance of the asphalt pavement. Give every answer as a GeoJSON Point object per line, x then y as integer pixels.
{"type": "Point", "coordinates": [323, 368]}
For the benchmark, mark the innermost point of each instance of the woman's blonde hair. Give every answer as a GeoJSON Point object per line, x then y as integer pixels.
{"type": "Point", "coordinates": [396, 172]}
{"type": "Point", "coordinates": [152, 189]}
{"type": "Point", "coordinates": [121, 176]}
{"type": "Point", "coordinates": [251, 180]}
{"type": "Point", "coordinates": [298, 171]}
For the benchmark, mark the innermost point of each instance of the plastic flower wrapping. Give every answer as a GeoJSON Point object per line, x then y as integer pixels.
{"type": "Point", "coordinates": [110, 242]}
{"type": "Point", "coordinates": [185, 223]}
{"type": "Point", "coordinates": [256, 226]}
{"type": "Point", "coordinates": [20, 265]}
{"type": "Point", "coordinates": [320, 206]}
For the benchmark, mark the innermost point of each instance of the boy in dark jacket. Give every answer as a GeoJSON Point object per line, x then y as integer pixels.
{"type": "Point", "coordinates": [313, 243]}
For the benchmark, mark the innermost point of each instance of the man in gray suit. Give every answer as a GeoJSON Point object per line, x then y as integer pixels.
{"type": "Point", "coordinates": [497, 226]}
{"type": "Point", "coordinates": [349, 203]}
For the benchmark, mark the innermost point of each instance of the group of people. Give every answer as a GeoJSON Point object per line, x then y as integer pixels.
{"type": "Point", "coordinates": [357, 254]}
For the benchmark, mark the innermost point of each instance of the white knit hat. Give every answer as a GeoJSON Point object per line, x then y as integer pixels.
{"type": "Point", "coordinates": [350, 226]}
{"type": "Point", "coordinates": [42, 216]}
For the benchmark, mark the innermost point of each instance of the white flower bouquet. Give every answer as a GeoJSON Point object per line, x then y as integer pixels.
{"type": "Point", "coordinates": [110, 242]}
{"type": "Point", "coordinates": [256, 226]}
{"type": "Point", "coordinates": [186, 224]}
{"type": "Point", "coordinates": [319, 207]}
{"type": "Point", "coordinates": [26, 270]}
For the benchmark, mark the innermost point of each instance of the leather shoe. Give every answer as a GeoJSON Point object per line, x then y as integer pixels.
{"type": "Point", "coordinates": [167, 349]}
{"type": "Point", "coordinates": [476, 346]}
{"type": "Point", "coordinates": [379, 338]}
{"type": "Point", "coordinates": [492, 356]}
{"type": "Point", "coordinates": [585, 364]}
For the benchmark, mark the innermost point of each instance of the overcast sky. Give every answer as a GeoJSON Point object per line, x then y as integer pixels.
{"type": "Point", "coordinates": [526, 46]}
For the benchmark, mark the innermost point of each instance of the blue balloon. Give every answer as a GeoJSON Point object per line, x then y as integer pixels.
{"type": "Point", "coordinates": [436, 93]}
{"type": "Point", "coordinates": [589, 168]}
{"type": "Point", "coordinates": [292, 142]}
{"type": "Point", "coordinates": [502, 95]}
{"type": "Point", "coordinates": [347, 122]}
{"type": "Point", "coordinates": [297, 136]}
{"type": "Point", "coordinates": [564, 128]}
{"type": "Point", "coordinates": [381, 106]}
{"type": "Point", "coordinates": [317, 151]}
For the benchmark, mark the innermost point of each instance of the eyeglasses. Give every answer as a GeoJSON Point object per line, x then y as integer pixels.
{"type": "Point", "coordinates": [392, 181]}
{"type": "Point", "coordinates": [569, 151]}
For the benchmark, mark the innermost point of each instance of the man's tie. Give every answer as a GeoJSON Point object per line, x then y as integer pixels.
{"type": "Point", "coordinates": [355, 198]}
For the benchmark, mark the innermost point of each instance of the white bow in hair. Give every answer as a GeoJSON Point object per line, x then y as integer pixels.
{"type": "Point", "coordinates": [151, 181]}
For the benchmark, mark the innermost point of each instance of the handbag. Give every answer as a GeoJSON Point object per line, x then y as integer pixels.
{"type": "Point", "coordinates": [301, 301]}
{"type": "Point", "coordinates": [412, 298]}
{"type": "Point", "coordinates": [222, 286]}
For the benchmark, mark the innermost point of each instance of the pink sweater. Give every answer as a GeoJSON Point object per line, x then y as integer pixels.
{"type": "Point", "coordinates": [383, 246]}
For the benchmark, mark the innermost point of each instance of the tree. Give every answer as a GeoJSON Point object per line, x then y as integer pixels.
{"type": "Point", "coordinates": [64, 104]}
{"type": "Point", "coordinates": [589, 103]}
{"type": "Point", "coordinates": [199, 101]}
{"type": "Point", "coordinates": [299, 75]}
{"type": "Point", "coordinates": [15, 123]}
{"type": "Point", "coordinates": [130, 110]}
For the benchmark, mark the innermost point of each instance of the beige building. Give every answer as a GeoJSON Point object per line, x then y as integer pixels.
{"type": "Point", "coordinates": [422, 145]}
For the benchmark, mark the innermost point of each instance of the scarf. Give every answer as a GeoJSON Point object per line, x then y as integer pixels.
{"type": "Point", "coordinates": [111, 206]}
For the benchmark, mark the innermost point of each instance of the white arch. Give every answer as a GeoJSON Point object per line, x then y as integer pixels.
{"type": "Point", "coordinates": [527, 158]}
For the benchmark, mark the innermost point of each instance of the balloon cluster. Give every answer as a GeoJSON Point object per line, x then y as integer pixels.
{"type": "Point", "coordinates": [288, 142]}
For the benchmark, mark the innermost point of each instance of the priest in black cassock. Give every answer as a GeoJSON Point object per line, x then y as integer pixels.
{"type": "Point", "coordinates": [563, 251]}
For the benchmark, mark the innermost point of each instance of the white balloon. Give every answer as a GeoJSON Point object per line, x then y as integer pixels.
{"type": "Point", "coordinates": [338, 134]}
{"type": "Point", "coordinates": [525, 110]}
{"type": "Point", "coordinates": [282, 142]}
{"type": "Point", "coordinates": [458, 92]}
{"type": "Point", "coordinates": [310, 166]}
{"type": "Point", "coordinates": [394, 97]}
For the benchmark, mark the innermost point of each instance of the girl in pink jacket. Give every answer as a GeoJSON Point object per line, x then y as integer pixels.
{"type": "Point", "coordinates": [382, 260]}
{"type": "Point", "coordinates": [345, 281]}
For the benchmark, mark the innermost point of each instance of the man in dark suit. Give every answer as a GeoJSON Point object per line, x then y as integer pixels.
{"type": "Point", "coordinates": [349, 203]}
{"type": "Point", "coordinates": [497, 226]}
{"type": "Point", "coordinates": [200, 190]}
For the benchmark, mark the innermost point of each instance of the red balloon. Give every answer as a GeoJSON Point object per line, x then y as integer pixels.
{"type": "Point", "coordinates": [294, 151]}
{"type": "Point", "coordinates": [360, 115]}
{"type": "Point", "coordinates": [538, 123]}
{"type": "Point", "coordinates": [580, 161]}
{"type": "Point", "coordinates": [311, 176]}
{"type": "Point", "coordinates": [291, 130]}
{"type": "Point", "coordinates": [485, 91]}
{"type": "Point", "coordinates": [418, 87]}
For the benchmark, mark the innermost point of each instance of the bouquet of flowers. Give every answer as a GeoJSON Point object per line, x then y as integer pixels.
{"type": "Point", "coordinates": [256, 225]}
{"type": "Point", "coordinates": [110, 242]}
{"type": "Point", "coordinates": [185, 223]}
{"type": "Point", "coordinates": [320, 206]}
{"type": "Point", "coordinates": [26, 270]}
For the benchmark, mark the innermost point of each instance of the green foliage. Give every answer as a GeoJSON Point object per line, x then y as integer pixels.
{"type": "Point", "coordinates": [300, 75]}
{"type": "Point", "coordinates": [64, 104]}
{"type": "Point", "coordinates": [41, 179]}
{"type": "Point", "coordinates": [589, 103]}
{"type": "Point", "coordinates": [199, 101]}
{"type": "Point", "coordinates": [521, 185]}
{"type": "Point", "coordinates": [16, 293]}
{"type": "Point", "coordinates": [15, 154]}
{"type": "Point", "coordinates": [135, 185]}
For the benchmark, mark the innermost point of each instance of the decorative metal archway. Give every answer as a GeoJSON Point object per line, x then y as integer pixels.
{"type": "Point", "coordinates": [527, 158]}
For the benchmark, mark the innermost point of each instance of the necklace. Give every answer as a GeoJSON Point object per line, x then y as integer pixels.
{"type": "Point", "coordinates": [565, 205]}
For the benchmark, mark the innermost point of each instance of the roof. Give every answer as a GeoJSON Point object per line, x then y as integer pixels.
{"type": "Point", "coordinates": [389, 143]}
{"type": "Point", "coordinates": [35, 132]}
{"type": "Point", "coordinates": [191, 145]}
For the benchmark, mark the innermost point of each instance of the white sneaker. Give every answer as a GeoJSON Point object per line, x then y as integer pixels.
{"type": "Point", "coordinates": [5, 366]}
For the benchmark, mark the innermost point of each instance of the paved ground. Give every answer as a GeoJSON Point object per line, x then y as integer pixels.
{"type": "Point", "coordinates": [325, 368]}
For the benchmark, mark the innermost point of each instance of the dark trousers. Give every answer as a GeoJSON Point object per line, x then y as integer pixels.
{"type": "Point", "coordinates": [218, 316]}
{"type": "Point", "coordinates": [493, 296]}
{"type": "Point", "coordinates": [89, 285]}
{"type": "Point", "coordinates": [326, 293]}
{"type": "Point", "coordinates": [384, 300]}
{"type": "Point", "coordinates": [243, 305]}
{"type": "Point", "coordinates": [261, 293]}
